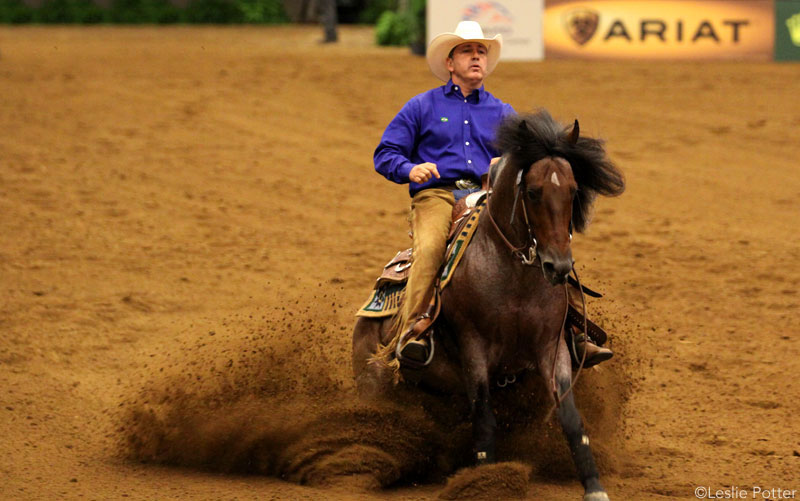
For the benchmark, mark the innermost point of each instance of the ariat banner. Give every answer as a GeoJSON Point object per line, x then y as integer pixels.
{"type": "Point", "coordinates": [660, 29]}
{"type": "Point", "coordinates": [787, 30]}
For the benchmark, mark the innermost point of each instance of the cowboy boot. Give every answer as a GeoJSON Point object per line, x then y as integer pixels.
{"type": "Point", "coordinates": [594, 354]}
{"type": "Point", "coordinates": [416, 351]}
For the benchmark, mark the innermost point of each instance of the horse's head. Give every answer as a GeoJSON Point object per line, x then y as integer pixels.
{"type": "Point", "coordinates": [548, 189]}
{"type": "Point", "coordinates": [553, 176]}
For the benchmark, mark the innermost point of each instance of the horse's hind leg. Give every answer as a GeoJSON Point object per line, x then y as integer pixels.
{"type": "Point", "coordinates": [572, 426]}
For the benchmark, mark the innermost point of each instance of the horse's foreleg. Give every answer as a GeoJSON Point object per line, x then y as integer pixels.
{"type": "Point", "coordinates": [572, 425]}
{"type": "Point", "coordinates": [484, 423]}
{"type": "Point", "coordinates": [578, 441]}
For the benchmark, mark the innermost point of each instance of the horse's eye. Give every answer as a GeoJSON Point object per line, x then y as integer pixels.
{"type": "Point", "coordinates": [535, 193]}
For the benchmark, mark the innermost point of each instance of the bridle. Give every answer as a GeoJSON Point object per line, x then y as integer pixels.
{"type": "Point", "coordinates": [531, 244]}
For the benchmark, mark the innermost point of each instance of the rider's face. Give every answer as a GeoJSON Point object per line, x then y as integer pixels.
{"type": "Point", "coordinates": [468, 64]}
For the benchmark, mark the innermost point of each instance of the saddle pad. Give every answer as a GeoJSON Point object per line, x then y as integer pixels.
{"type": "Point", "coordinates": [384, 301]}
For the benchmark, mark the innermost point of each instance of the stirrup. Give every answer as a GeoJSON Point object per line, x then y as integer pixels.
{"type": "Point", "coordinates": [402, 344]}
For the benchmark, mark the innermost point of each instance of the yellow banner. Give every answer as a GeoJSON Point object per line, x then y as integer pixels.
{"type": "Point", "coordinates": [659, 29]}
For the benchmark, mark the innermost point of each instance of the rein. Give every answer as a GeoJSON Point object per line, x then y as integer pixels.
{"type": "Point", "coordinates": [572, 383]}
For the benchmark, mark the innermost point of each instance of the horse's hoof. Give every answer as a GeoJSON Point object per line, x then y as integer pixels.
{"type": "Point", "coordinates": [595, 496]}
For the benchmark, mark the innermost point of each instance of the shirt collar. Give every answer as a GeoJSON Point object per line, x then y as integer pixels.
{"type": "Point", "coordinates": [450, 88]}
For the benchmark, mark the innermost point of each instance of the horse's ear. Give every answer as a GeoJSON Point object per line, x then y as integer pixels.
{"type": "Point", "coordinates": [574, 133]}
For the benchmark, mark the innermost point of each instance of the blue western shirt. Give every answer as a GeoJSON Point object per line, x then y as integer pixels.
{"type": "Point", "coordinates": [442, 127]}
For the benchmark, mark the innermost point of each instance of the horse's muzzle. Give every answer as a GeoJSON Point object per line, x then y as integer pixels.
{"type": "Point", "coordinates": [556, 268]}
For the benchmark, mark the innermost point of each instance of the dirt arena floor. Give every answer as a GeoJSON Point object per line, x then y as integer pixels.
{"type": "Point", "coordinates": [190, 218]}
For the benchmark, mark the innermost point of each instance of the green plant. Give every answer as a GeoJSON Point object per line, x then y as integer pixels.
{"type": "Point", "coordinates": [418, 9]}
{"type": "Point", "coordinates": [262, 11]}
{"type": "Point", "coordinates": [373, 9]}
{"type": "Point", "coordinates": [213, 11]}
{"type": "Point", "coordinates": [69, 11]}
{"type": "Point", "coordinates": [394, 28]}
{"type": "Point", "coordinates": [143, 11]}
{"type": "Point", "coordinates": [15, 12]}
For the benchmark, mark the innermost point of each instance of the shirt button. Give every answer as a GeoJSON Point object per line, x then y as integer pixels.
{"type": "Point", "coordinates": [467, 143]}
{"type": "Point", "coordinates": [465, 100]}
{"type": "Point", "coordinates": [466, 121]}
{"type": "Point", "coordinates": [469, 161]}
{"type": "Point", "coordinates": [456, 87]}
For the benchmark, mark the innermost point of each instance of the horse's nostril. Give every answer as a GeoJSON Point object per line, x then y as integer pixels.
{"type": "Point", "coordinates": [556, 269]}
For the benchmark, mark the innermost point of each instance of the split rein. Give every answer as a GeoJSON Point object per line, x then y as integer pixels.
{"type": "Point", "coordinates": [529, 261]}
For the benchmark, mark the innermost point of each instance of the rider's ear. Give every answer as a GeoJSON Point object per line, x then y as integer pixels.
{"type": "Point", "coordinates": [574, 133]}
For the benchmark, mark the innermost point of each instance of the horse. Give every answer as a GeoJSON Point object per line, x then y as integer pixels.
{"type": "Point", "coordinates": [504, 309]}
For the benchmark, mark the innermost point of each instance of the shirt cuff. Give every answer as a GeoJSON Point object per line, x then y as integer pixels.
{"type": "Point", "coordinates": [404, 171]}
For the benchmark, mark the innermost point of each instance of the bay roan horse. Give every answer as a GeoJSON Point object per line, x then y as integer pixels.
{"type": "Point", "coordinates": [504, 309]}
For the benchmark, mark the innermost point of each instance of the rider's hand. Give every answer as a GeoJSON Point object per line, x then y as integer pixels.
{"type": "Point", "coordinates": [422, 173]}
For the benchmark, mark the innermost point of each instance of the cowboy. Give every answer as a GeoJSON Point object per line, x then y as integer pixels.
{"type": "Point", "coordinates": [441, 144]}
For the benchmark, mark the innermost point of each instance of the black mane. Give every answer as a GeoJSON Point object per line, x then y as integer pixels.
{"type": "Point", "coordinates": [529, 138]}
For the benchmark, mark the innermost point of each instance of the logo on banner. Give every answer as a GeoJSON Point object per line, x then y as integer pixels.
{"type": "Point", "coordinates": [493, 17]}
{"type": "Point", "coordinates": [582, 24]}
{"type": "Point", "coordinates": [793, 23]}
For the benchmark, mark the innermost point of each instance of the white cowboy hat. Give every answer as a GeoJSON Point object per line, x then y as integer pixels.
{"type": "Point", "coordinates": [466, 31]}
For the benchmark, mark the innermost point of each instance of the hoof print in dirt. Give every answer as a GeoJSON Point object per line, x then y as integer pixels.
{"type": "Point", "coordinates": [490, 482]}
